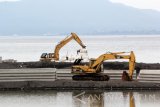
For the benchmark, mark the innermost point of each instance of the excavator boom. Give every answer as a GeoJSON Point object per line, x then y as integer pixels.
{"type": "Point", "coordinates": [95, 67]}
{"type": "Point", "coordinates": [64, 42]}
{"type": "Point", "coordinates": [55, 56]}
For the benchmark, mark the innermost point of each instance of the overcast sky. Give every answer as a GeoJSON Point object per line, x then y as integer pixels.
{"type": "Point", "coordinates": [142, 4]}
{"type": "Point", "coordinates": [9, 0]}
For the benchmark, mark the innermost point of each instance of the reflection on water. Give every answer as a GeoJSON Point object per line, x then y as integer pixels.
{"type": "Point", "coordinates": [79, 99]}
{"type": "Point", "coordinates": [131, 100]}
{"type": "Point", "coordinates": [88, 99]}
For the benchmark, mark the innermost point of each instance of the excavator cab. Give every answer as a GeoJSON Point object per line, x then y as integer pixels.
{"type": "Point", "coordinates": [43, 55]}
{"type": "Point", "coordinates": [100, 67]}
{"type": "Point", "coordinates": [47, 56]}
{"type": "Point", "coordinates": [91, 62]}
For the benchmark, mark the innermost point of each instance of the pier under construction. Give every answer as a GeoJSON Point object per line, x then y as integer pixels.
{"type": "Point", "coordinates": [61, 79]}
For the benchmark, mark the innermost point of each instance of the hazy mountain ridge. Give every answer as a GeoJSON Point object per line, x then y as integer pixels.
{"type": "Point", "coordinates": [30, 17]}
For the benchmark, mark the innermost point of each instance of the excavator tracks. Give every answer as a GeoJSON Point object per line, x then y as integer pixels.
{"type": "Point", "coordinates": [93, 77]}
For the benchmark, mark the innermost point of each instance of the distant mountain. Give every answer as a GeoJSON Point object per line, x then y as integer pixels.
{"type": "Point", "coordinates": [36, 17]}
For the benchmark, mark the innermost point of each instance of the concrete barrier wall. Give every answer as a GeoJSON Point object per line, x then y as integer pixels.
{"type": "Point", "coordinates": [51, 74]}
{"type": "Point", "coordinates": [39, 74]}
{"type": "Point", "coordinates": [145, 75]}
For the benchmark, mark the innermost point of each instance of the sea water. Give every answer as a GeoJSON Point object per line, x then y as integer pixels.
{"type": "Point", "coordinates": [79, 99]}
{"type": "Point", "coordinates": [30, 48]}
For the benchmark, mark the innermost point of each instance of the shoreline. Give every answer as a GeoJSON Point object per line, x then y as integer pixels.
{"type": "Point", "coordinates": [62, 65]}
{"type": "Point", "coordinates": [112, 85]}
{"type": "Point", "coordinates": [68, 84]}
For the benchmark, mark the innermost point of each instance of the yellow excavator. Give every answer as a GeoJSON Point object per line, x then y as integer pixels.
{"type": "Point", "coordinates": [55, 56]}
{"type": "Point", "coordinates": [94, 70]}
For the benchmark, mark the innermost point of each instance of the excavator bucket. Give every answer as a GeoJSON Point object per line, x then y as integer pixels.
{"type": "Point", "coordinates": [125, 76]}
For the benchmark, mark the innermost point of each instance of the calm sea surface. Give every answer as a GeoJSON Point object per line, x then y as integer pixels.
{"type": "Point", "coordinates": [23, 48]}
{"type": "Point", "coordinates": [79, 99]}
{"type": "Point", "coordinates": [29, 48]}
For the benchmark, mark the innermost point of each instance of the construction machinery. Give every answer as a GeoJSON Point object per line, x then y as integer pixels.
{"type": "Point", "coordinates": [94, 71]}
{"type": "Point", "coordinates": [55, 56]}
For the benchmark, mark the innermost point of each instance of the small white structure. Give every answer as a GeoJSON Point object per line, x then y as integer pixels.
{"type": "Point", "coordinates": [82, 54]}
{"type": "Point", "coordinates": [0, 59]}
{"type": "Point", "coordinates": [10, 60]}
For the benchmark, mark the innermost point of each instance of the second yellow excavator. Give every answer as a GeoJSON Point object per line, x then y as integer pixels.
{"type": "Point", "coordinates": [94, 70]}
{"type": "Point", "coordinates": [55, 56]}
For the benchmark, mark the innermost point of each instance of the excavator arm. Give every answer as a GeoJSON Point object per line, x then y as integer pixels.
{"type": "Point", "coordinates": [112, 56]}
{"type": "Point", "coordinates": [55, 55]}
{"type": "Point", "coordinates": [95, 67]}
{"type": "Point", "coordinates": [64, 42]}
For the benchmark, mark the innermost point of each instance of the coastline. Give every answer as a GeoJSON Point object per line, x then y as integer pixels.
{"type": "Point", "coordinates": [112, 85]}
{"type": "Point", "coordinates": [61, 65]}
{"type": "Point", "coordinates": [68, 84]}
